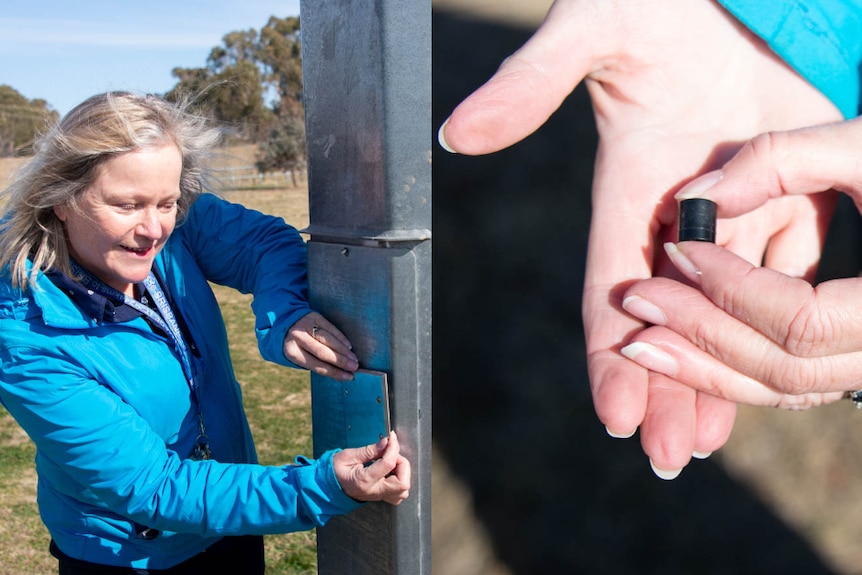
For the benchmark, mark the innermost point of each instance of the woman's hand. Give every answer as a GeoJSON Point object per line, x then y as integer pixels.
{"type": "Point", "coordinates": [676, 86]}
{"type": "Point", "coordinates": [753, 334]}
{"type": "Point", "coordinates": [315, 344]}
{"type": "Point", "coordinates": [375, 472]}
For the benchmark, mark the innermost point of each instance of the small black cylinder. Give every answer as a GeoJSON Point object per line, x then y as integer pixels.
{"type": "Point", "coordinates": [697, 220]}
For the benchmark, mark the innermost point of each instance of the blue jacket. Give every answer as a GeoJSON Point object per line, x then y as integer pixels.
{"type": "Point", "coordinates": [113, 418]}
{"type": "Point", "coordinates": [821, 40]}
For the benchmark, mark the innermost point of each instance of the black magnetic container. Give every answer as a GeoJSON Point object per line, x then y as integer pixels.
{"type": "Point", "coordinates": [697, 220]}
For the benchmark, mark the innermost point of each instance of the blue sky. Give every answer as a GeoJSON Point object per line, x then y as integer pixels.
{"type": "Point", "coordinates": [64, 51]}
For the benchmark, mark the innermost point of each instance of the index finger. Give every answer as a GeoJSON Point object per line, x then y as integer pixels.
{"type": "Point", "coordinates": [386, 464]}
{"type": "Point", "coordinates": [807, 321]}
{"type": "Point", "coordinates": [774, 164]}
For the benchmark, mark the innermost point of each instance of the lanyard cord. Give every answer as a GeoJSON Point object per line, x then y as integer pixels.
{"type": "Point", "coordinates": [167, 322]}
{"type": "Point", "coordinates": [164, 318]}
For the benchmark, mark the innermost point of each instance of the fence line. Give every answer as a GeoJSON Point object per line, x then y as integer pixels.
{"type": "Point", "coordinates": [248, 177]}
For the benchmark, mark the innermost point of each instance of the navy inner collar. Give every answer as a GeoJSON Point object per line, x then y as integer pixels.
{"type": "Point", "coordinates": [93, 304]}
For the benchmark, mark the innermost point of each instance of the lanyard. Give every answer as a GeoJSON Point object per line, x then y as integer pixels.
{"type": "Point", "coordinates": [167, 322]}
{"type": "Point", "coordinates": [164, 318]}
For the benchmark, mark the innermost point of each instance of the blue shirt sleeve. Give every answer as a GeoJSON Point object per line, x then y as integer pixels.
{"type": "Point", "coordinates": [821, 40]}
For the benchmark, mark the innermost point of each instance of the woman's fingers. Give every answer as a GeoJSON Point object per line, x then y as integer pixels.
{"type": "Point", "coordinates": [376, 472]}
{"type": "Point", "coordinates": [315, 344]}
{"type": "Point", "coordinates": [775, 164]}
{"type": "Point", "coordinates": [805, 321]}
{"type": "Point", "coordinates": [766, 326]}
{"type": "Point", "coordinates": [662, 349]}
{"type": "Point", "coordinates": [529, 85]}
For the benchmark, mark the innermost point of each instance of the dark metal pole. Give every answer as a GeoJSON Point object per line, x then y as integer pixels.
{"type": "Point", "coordinates": [367, 77]}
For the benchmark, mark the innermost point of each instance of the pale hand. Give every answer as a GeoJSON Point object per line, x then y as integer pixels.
{"type": "Point", "coordinates": [750, 334]}
{"type": "Point", "coordinates": [376, 472]}
{"type": "Point", "coordinates": [676, 86]}
{"type": "Point", "coordinates": [315, 344]}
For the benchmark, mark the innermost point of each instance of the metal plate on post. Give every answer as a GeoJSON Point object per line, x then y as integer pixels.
{"type": "Point", "coordinates": [366, 408]}
{"type": "Point", "coordinates": [356, 411]}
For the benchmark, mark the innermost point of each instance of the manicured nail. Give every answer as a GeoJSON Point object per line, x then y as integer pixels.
{"type": "Point", "coordinates": [441, 138]}
{"type": "Point", "coordinates": [645, 310]}
{"type": "Point", "coordinates": [701, 455]}
{"type": "Point", "coordinates": [651, 357]}
{"type": "Point", "coordinates": [620, 435]}
{"type": "Point", "coordinates": [663, 473]}
{"type": "Point", "coordinates": [698, 187]}
{"type": "Point", "coordinates": [682, 263]}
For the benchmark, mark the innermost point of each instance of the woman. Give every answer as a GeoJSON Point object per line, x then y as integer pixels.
{"type": "Point", "coordinates": [114, 356]}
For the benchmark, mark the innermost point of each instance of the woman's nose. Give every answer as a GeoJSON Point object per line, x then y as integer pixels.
{"type": "Point", "coordinates": [150, 224]}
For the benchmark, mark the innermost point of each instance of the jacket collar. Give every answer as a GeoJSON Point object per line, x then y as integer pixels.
{"type": "Point", "coordinates": [93, 304]}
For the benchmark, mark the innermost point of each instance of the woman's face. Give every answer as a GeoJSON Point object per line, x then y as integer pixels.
{"type": "Point", "coordinates": [126, 215]}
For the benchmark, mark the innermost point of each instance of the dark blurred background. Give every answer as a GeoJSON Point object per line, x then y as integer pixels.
{"type": "Point", "coordinates": [526, 481]}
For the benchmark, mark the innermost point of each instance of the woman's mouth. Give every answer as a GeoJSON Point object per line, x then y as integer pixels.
{"type": "Point", "coordinates": [140, 251]}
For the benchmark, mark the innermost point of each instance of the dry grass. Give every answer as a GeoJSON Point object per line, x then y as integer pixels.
{"type": "Point", "coordinates": [8, 167]}
{"type": "Point", "coordinates": [23, 538]}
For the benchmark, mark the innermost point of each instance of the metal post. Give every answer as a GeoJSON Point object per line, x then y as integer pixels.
{"type": "Point", "coordinates": [367, 77]}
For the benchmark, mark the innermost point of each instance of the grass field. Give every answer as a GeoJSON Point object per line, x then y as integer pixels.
{"type": "Point", "coordinates": [277, 401]}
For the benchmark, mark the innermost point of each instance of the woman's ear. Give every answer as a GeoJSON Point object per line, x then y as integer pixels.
{"type": "Point", "coordinates": [60, 212]}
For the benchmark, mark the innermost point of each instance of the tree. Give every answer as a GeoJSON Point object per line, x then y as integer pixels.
{"type": "Point", "coordinates": [240, 73]}
{"type": "Point", "coordinates": [284, 148]}
{"type": "Point", "coordinates": [21, 120]}
{"type": "Point", "coordinates": [280, 53]}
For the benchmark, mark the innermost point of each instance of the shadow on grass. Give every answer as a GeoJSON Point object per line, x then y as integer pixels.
{"type": "Point", "coordinates": [512, 410]}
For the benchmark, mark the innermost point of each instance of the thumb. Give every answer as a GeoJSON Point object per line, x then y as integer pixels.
{"type": "Point", "coordinates": [366, 453]}
{"type": "Point", "coordinates": [804, 161]}
{"type": "Point", "coordinates": [527, 88]}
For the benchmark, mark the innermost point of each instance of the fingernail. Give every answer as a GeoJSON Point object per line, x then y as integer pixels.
{"type": "Point", "coordinates": [651, 357]}
{"type": "Point", "coordinates": [700, 454]}
{"type": "Point", "coordinates": [682, 263]}
{"type": "Point", "coordinates": [663, 473]}
{"type": "Point", "coordinates": [645, 310]}
{"type": "Point", "coordinates": [698, 187]}
{"type": "Point", "coordinates": [441, 138]}
{"type": "Point", "coordinates": [620, 435]}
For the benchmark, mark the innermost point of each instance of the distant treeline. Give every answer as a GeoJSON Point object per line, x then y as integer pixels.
{"type": "Point", "coordinates": [251, 84]}
{"type": "Point", "coordinates": [20, 120]}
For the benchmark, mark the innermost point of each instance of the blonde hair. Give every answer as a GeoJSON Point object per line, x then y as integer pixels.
{"type": "Point", "coordinates": [65, 165]}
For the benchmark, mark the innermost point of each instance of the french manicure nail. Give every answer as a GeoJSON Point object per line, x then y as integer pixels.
{"type": "Point", "coordinates": [697, 187]}
{"type": "Point", "coordinates": [682, 263]}
{"type": "Point", "coordinates": [620, 435]}
{"type": "Point", "coordinates": [645, 310]}
{"type": "Point", "coordinates": [663, 473]}
{"type": "Point", "coordinates": [651, 357]}
{"type": "Point", "coordinates": [441, 138]}
{"type": "Point", "coordinates": [701, 455]}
